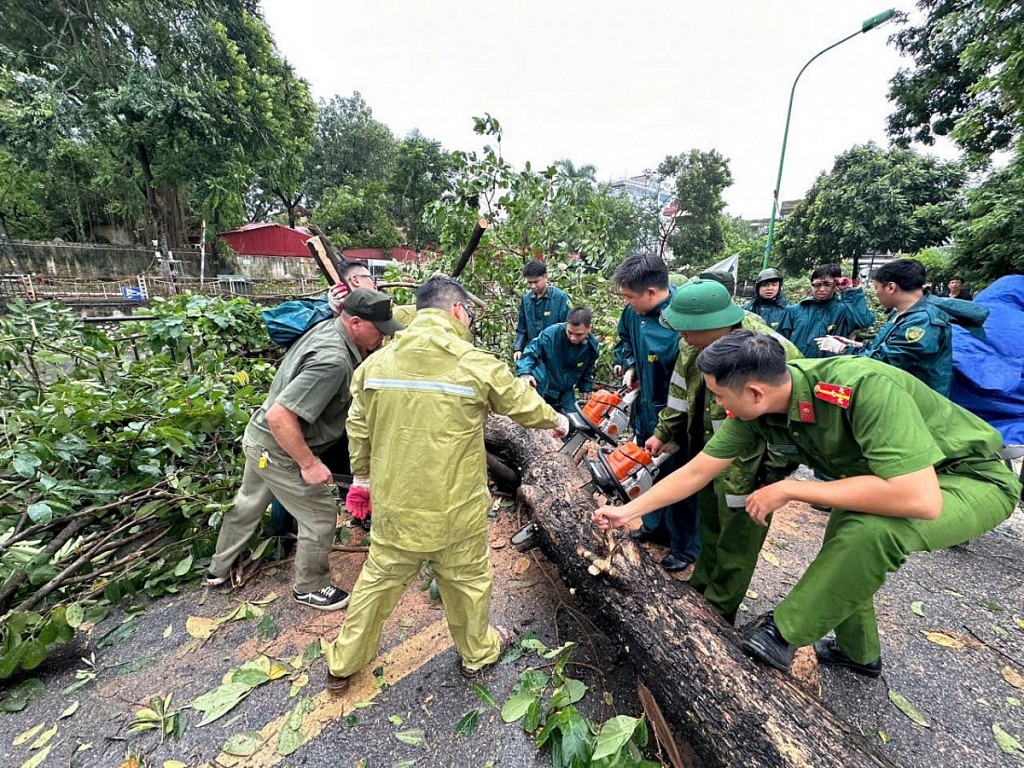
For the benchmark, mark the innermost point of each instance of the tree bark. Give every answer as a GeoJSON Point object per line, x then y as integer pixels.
{"type": "Point", "coordinates": [731, 710]}
{"type": "Point", "coordinates": [471, 246]}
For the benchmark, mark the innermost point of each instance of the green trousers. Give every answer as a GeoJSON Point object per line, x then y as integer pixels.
{"type": "Point", "coordinates": [860, 550]}
{"type": "Point", "coordinates": [463, 573]}
{"type": "Point", "coordinates": [729, 544]}
{"type": "Point", "coordinates": [312, 506]}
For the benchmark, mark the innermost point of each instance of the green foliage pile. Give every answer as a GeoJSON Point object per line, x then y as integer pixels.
{"type": "Point", "coordinates": [117, 458]}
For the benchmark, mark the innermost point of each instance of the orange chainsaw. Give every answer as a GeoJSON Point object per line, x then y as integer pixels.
{"type": "Point", "coordinates": [604, 417]}
{"type": "Point", "coordinates": [625, 472]}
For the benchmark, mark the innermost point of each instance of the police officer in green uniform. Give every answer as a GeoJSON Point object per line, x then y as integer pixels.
{"type": "Point", "coordinates": [703, 312]}
{"type": "Point", "coordinates": [302, 416]}
{"type": "Point", "coordinates": [541, 306]}
{"type": "Point", "coordinates": [769, 301]}
{"type": "Point", "coordinates": [416, 442]}
{"type": "Point", "coordinates": [561, 360]}
{"type": "Point", "coordinates": [914, 472]}
{"type": "Point", "coordinates": [644, 356]}
{"type": "Point", "coordinates": [836, 306]}
{"type": "Point", "coordinates": [917, 337]}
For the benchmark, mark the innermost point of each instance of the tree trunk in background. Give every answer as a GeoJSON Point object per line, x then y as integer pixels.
{"type": "Point", "coordinates": [731, 710]}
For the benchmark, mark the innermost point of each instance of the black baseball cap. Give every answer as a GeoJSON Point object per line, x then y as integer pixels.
{"type": "Point", "coordinates": [367, 304]}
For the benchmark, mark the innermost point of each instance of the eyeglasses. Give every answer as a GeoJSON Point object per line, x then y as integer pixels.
{"type": "Point", "coordinates": [823, 284]}
{"type": "Point", "coordinates": [468, 311]}
{"type": "Point", "coordinates": [366, 276]}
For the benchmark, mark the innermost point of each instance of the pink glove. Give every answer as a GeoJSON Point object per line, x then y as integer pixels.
{"type": "Point", "coordinates": [336, 297]}
{"type": "Point", "coordinates": [357, 501]}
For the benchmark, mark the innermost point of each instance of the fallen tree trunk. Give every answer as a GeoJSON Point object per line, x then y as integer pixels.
{"type": "Point", "coordinates": [731, 710]}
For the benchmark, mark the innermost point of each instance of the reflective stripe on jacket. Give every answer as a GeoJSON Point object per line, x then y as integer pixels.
{"type": "Point", "coordinates": [416, 428]}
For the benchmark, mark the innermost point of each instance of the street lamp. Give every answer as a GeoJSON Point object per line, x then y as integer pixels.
{"type": "Point", "coordinates": [873, 23]}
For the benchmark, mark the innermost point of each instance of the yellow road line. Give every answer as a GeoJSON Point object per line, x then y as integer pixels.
{"type": "Point", "coordinates": [398, 663]}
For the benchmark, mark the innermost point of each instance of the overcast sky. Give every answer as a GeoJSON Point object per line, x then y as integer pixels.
{"type": "Point", "coordinates": [618, 85]}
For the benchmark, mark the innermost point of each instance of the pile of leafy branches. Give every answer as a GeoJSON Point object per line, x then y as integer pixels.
{"type": "Point", "coordinates": [117, 458]}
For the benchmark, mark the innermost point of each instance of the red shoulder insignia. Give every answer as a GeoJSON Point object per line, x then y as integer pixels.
{"type": "Point", "coordinates": [806, 411]}
{"type": "Point", "coordinates": [836, 394]}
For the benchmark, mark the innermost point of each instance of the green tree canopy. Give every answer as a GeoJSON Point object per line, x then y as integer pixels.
{"type": "Point", "coordinates": [697, 180]}
{"type": "Point", "coordinates": [873, 200]}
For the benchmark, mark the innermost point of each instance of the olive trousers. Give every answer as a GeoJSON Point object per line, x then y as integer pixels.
{"type": "Point", "coordinates": [860, 550]}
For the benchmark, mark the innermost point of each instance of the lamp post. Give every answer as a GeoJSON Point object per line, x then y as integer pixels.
{"type": "Point", "coordinates": [873, 23]}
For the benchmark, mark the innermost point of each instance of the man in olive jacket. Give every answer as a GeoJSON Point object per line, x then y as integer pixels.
{"type": "Point", "coordinates": [416, 436]}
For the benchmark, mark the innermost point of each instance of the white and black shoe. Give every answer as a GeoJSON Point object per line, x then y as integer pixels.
{"type": "Point", "coordinates": [213, 580]}
{"type": "Point", "coordinates": [330, 598]}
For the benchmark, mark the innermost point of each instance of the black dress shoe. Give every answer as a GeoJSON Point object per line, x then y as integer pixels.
{"type": "Point", "coordinates": [828, 653]}
{"type": "Point", "coordinates": [642, 534]}
{"type": "Point", "coordinates": [365, 523]}
{"type": "Point", "coordinates": [671, 563]}
{"type": "Point", "coordinates": [764, 642]}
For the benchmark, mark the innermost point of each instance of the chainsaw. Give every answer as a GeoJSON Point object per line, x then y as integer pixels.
{"type": "Point", "coordinates": [604, 417]}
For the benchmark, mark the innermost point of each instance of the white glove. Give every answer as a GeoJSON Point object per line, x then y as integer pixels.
{"type": "Point", "coordinates": [336, 297]}
{"type": "Point", "coordinates": [830, 344]}
{"type": "Point", "coordinates": [528, 379]}
{"type": "Point", "coordinates": [516, 355]}
{"type": "Point", "coordinates": [561, 427]}
{"type": "Point", "coordinates": [629, 378]}
{"type": "Point", "coordinates": [617, 371]}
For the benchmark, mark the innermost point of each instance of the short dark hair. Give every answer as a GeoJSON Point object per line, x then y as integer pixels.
{"type": "Point", "coordinates": [440, 292]}
{"type": "Point", "coordinates": [957, 277]}
{"type": "Point", "coordinates": [580, 316]}
{"type": "Point", "coordinates": [827, 270]}
{"type": "Point", "coordinates": [535, 268]}
{"type": "Point", "coordinates": [743, 356]}
{"type": "Point", "coordinates": [642, 271]}
{"type": "Point", "coordinates": [908, 274]}
{"type": "Point", "coordinates": [351, 266]}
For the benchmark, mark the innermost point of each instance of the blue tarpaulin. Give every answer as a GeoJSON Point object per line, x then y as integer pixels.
{"type": "Point", "coordinates": [988, 375]}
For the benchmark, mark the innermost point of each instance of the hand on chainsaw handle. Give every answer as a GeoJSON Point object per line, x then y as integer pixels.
{"type": "Point", "coordinates": [654, 446]}
{"type": "Point", "coordinates": [561, 427]}
{"type": "Point", "coordinates": [357, 500]}
{"type": "Point", "coordinates": [831, 344]}
{"type": "Point", "coordinates": [336, 297]}
{"type": "Point", "coordinates": [629, 380]}
{"type": "Point", "coordinates": [528, 379]}
{"type": "Point", "coordinates": [617, 371]}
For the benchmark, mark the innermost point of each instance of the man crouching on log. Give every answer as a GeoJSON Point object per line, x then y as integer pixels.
{"type": "Point", "coordinates": [915, 473]}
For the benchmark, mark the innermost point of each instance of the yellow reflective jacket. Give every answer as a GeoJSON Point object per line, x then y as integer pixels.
{"type": "Point", "coordinates": [416, 427]}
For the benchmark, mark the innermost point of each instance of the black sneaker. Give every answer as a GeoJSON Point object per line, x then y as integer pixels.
{"type": "Point", "coordinates": [828, 653]}
{"type": "Point", "coordinates": [365, 523]}
{"type": "Point", "coordinates": [330, 598]}
{"type": "Point", "coordinates": [764, 642]}
{"type": "Point", "coordinates": [672, 564]}
{"type": "Point", "coordinates": [213, 580]}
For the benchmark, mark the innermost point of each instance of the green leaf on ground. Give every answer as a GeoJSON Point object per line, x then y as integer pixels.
{"type": "Point", "coordinates": [69, 710]}
{"type": "Point", "coordinates": [413, 736]}
{"type": "Point", "coordinates": [220, 701]}
{"type": "Point", "coordinates": [516, 706]}
{"type": "Point", "coordinates": [770, 557]}
{"type": "Point", "coordinates": [24, 736]}
{"type": "Point", "coordinates": [1006, 742]}
{"type": "Point", "coordinates": [289, 740]}
{"type": "Point", "coordinates": [395, 720]}
{"type": "Point", "coordinates": [484, 695]}
{"type": "Point", "coordinates": [184, 566]}
{"type": "Point", "coordinates": [242, 744]}
{"type": "Point", "coordinates": [917, 607]}
{"type": "Point", "coordinates": [614, 736]}
{"type": "Point", "coordinates": [37, 759]}
{"type": "Point", "coordinates": [904, 705]}
{"type": "Point", "coordinates": [468, 722]}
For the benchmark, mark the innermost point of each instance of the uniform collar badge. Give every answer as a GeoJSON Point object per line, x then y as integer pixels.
{"type": "Point", "coordinates": [806, 411]}
{"type": "Point", "coordinates": [833, 393]}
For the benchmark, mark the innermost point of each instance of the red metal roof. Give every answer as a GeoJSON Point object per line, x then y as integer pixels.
{"type": "Point", "coordinates": [277, 240]}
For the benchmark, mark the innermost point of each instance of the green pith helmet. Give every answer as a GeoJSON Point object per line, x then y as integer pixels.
{"type": "Point", "coordinates": [767, 274]}
{"type": "Point", "coordinates": [701, 305]}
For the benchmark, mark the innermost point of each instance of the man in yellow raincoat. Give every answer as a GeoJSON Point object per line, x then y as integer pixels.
{"type": "Point", "coordinates": [416, 437]}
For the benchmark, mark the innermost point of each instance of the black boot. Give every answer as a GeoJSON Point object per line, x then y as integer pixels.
{"type": "Point", "coordinates": [828, 653]}
{"type": "Point", "coordinates": [763, 641]}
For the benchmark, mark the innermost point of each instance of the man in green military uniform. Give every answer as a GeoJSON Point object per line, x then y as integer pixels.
{"type": "Point", "coordinates": [304, 415]}
{"type": "Point", "coordinates": [836, 306]}
{"type": "Point", "coordinates": [703, 312]}
{"type": "Point", "coordinates": [416, 444]}
{"type": "Point", "coordinates": [917, 337]}
{"type": "Point", "coordinates": [561, 360]}
{"type": "Point", "coordinates": [915, 472]}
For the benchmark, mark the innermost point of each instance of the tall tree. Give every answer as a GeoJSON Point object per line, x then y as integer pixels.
{"type": "Point", "coordinates": [967, 81]}
{"type": "Point", "coordinates": [421, 174]}
{"type": "Point", "coordinates": [698, 180]}
{"type": "Point", "coordinates": [873, 200]}
{"type": "Point", "coordinates": [174, 92]}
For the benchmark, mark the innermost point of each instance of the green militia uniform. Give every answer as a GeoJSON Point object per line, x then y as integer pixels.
{"type": "Point", "coordinates": [312, 382]}
{"type": "Point", "coordinates": [730, 540]}
{"type": "Point", "coordinates": [851, 417]}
